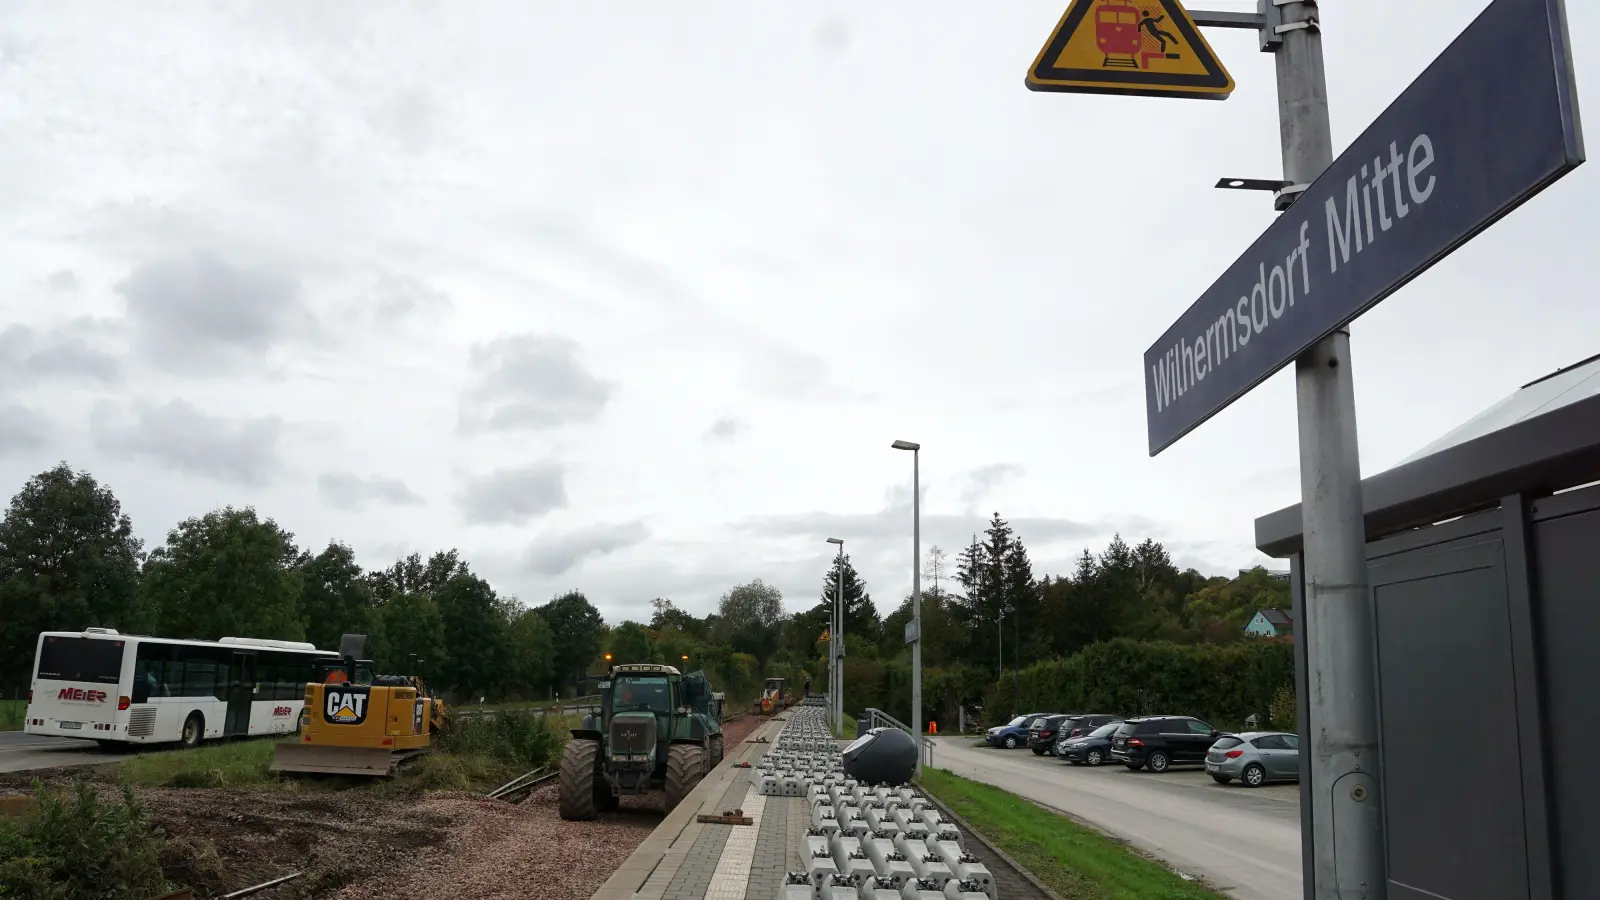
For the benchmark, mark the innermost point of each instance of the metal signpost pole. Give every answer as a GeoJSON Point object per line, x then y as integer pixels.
{"type": "Point", "coordinates": [914, 628]}
{"type": "Point", "coordinates": [835, 711]}
{"type": "Point", "coordinates": [916, 603]}
{"type": "Point", "coordinates": [838, 705]}
{"type": "Point", "coordinates": [1340, 641]}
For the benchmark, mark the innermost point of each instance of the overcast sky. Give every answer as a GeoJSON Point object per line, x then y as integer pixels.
{"type": "Point", "coordinates": [632, 297]}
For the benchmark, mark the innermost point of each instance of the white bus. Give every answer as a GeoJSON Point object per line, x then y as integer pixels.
{"type": "Point", "coordinates": [124, 688]}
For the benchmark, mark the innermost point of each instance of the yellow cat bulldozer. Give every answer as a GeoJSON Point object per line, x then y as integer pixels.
{"type": "Point", "coordinates": [358, 723]}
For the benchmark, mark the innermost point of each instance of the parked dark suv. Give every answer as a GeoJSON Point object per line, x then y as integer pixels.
{"type": "Point", "coordinates": [1162, 742]}
{"type": "Point", "coordinates": [1079, 725]}
{"type": "Point", "coordinates": [1082, 725]}
{"type": "Point", "coordinates": [1042, 732]}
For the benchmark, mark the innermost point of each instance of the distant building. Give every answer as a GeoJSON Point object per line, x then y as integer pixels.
{"type": "Point", "coordinates": [1271, 623]}
{"type": "Point", "coordinates": [1277, 575]}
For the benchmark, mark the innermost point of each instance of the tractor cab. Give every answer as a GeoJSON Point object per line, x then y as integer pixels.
{"type": "Point", "coordinates": [656, 728]}
{"type": "Point", "coordinates": [637, 706]}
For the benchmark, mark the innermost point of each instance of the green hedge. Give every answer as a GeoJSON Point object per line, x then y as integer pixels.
{"type": "Point", "coordinates": [1221, 683]}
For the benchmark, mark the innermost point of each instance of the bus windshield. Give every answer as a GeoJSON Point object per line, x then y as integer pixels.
{"type": "Point", "coordinates": [654, 694]}
{"type": "Point", "coordinates": [80, 659]}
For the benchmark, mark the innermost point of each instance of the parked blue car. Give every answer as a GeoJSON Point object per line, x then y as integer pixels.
{"type": "Point", "coordinates": [1011, 735]}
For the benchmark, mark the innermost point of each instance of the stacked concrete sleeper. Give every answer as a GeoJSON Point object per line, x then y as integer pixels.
{"type": "Point", "coordinates": [866, 842]}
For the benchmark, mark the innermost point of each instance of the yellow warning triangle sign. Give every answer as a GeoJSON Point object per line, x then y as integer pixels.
{"type": "Point", "coordinates": [1144, 47]}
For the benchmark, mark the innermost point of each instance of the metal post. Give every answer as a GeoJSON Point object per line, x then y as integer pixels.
{"type": "Point", "coordinates": [1343, 793]}
{"type": "Point", "coordinates": [838, 602]}
{"type": "Point", "coordinates": [916, 599]}
{"type": "Point", "coordinates": [1016, 654]}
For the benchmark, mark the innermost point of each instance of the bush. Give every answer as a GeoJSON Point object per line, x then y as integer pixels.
{"type": "Point", "coordinates": [1284, 714]}
{"type": "Point", "coordinates": [78, 846]}
{"type": "Point", "coordinates": [1220, 683]}
{"type": "Point", "coordinates": [515, 738]}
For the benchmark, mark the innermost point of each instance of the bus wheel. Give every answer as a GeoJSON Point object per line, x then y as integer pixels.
{"type": "Point", "coordinates": [194, 728]}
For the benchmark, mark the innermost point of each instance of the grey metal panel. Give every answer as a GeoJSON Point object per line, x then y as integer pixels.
{"type": "Point", "coordinates": [1526, 666]}
{"type": "Point", "coordinates": [1576, 501]}
{"type": "Point", "coordinates": [1568, 566]}
{"type": "Point", "coordinates": [1546, 453]}
{"type": "Point", "coordinates": [1452, 804]}
{"type": "Point", "coordinates": [1487, 522]}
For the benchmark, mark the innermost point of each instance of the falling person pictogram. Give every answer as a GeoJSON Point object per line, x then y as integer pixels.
{"type": "Point", "coordinates": [1150, 26]}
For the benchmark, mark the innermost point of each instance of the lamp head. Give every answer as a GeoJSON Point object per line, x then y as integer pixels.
{"type": "Point", "coordinates": [905, 445]}
{"type": "Point", "coordinates": [839, 541]}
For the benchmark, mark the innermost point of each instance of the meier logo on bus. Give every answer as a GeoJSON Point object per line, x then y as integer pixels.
{"type": "Point", "coordinates": [345, 706]}
{"type": "Point", "coordinates": [82, 696]}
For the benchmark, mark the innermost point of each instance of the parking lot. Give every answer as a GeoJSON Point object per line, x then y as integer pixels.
{"type": "Point", "coordinates": [1243, 840]}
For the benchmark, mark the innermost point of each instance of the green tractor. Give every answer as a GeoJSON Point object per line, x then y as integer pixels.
{"type": "Point", "coordinates": [656, 730]}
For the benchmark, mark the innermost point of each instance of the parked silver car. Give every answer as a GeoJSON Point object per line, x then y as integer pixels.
{"type": "Point", "coordinates": [1254, 758]}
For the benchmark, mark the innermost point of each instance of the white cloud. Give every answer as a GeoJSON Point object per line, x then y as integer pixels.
{"type": "Point", "coordinates": [349, 491]}
{"type": "Point", "coordinates": [557, 554]}
{"type": "Point", "coordinates": [514, 496]}
{"type": "Point", "coordinates": [176, 435]}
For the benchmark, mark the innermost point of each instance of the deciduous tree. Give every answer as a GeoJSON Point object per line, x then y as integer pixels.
{"type": "Point", "coordinates": [228, 572]}
{"type": "Point", "coordinates": [68, 560]}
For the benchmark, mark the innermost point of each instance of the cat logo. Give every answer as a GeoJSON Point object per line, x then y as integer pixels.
{"type": "Point", "coordinates": [345, 706]}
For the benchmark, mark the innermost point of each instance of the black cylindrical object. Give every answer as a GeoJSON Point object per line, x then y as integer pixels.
{"type": "Point", "coordinates": [863, 725]}
{"type": "Point", "coordinates": [886, 756]}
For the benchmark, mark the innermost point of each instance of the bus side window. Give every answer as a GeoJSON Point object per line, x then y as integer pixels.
{"type": "Point", "coordinates": [200, 678]}
{"type": "Point", "coordinates": [142, 680]}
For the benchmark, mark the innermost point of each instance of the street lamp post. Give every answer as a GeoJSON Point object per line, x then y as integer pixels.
{"type": "Point", "coordinates": [836, 643]}
{"type": "Point", "coordinates": [916, 593]}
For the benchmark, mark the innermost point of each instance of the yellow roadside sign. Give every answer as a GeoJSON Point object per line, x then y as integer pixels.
{"type": "Point", "coordinates": [1150, 48]}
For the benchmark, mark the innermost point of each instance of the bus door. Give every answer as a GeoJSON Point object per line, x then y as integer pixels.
{"type": "Point", "coordinates": [241, 692]}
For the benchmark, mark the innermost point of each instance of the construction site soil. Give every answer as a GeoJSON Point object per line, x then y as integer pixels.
{"type": "Point", "coordinates": [360, 844]}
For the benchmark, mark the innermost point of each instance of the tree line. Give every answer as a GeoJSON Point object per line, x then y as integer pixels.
{"type": "Point", "coordinates": [69, 560]}
{"type": "Point", "coordinates": [989, 614]}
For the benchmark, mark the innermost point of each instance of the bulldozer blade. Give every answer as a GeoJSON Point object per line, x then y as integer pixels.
{"type": "Point", "coordinates": [373, 761]}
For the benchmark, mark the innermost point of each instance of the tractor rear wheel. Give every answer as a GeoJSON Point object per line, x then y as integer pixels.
{"type": "Point", "coordinates": [716, 750]}
{"type": "Point", "coordinates": [686, 765]}
{"type": "Point", "coordinates": [577, 780]}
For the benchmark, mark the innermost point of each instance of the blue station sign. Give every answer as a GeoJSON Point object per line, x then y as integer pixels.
{"type": "Point", "coordinates": [1492, 122]}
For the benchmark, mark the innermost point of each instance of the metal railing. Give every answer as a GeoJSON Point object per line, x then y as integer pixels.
{"type": "Point", "coordinates": [881, 719]}
{"type": "Point", "coordinates": [579, 704]}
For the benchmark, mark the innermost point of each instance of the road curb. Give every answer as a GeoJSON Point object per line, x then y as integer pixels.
{"type": "Point", "coordinates": [966, 827]}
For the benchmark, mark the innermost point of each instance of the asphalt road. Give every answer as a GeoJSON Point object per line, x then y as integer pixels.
{"type": "Point", "coordinates": [1245, 841]}
{"type": "Point", "coordinates": [19, 752]}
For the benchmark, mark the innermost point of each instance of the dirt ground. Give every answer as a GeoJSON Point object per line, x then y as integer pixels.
{"type": "Point", "coordinates": [358, 845]}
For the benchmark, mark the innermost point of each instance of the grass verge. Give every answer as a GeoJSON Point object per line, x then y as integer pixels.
{"type": "Point", "coordinates": [1076, 862]}
{"type": "Point", "coordinates": [232, 764]}
{"type": "Point", "coordinates": [12, 712]}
